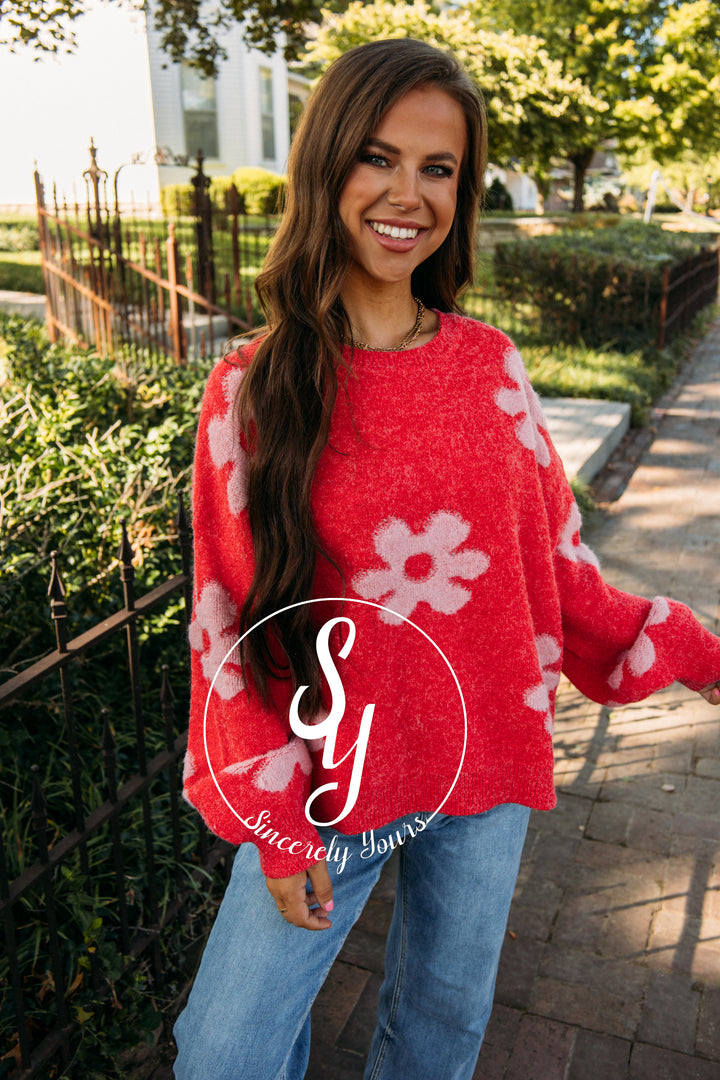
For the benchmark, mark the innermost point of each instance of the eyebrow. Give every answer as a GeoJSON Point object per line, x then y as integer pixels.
{"type": "Point", "coordinates": [441, 155]}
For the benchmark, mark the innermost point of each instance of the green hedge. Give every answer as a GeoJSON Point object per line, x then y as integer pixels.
{"type": "Point", "coordinates": [19, 236]}
{"type": "Point", "coordinates": [84, 443]}
{"type": "Point", "coordinates": [595, 285]}
{"type": "Point", "coordinates": [176, 200]}
{"type": "Point", "coordinates": [260, 192]}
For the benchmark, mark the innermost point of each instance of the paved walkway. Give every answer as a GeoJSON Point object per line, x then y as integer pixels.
{"type": "Point", "coordinates": [611, 967]}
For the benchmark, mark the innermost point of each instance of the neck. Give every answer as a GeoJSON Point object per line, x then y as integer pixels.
{"type": "Point", "coordinates": [380, 317]}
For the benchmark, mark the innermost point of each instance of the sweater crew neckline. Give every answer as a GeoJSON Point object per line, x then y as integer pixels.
{"type": "Point", "coordinates": [431, 350]}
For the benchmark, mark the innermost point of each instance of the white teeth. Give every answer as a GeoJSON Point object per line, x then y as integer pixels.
{"type": "Point", "coordinates": [393, 231]}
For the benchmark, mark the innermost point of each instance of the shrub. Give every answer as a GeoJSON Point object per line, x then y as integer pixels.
{"type": "Point", "coordinates": [176, 200]}
{"type": "Point", "coordinates": [594, 285]}
{"type": "Point", "coordinates": [220, 187]}
{"type": "Point", "coordinates": [497, 196]}
{"type": "Point", "coordinates": [261, 189]}
{"type": "Point", "coordinates": [19, 237]}
{"type": "Point", "coordinates": [84, 442]}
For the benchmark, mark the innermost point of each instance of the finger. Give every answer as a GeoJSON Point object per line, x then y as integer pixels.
{"type": "Point", "coordinates": [712, 693]}
{"type": "Point", "coordinates": [292, 902]}
{"type": "Point", "coordinates": [288, 893]}
{"type": "Point", "coordinates": [298, 913]}
{"type": "Point", "coordinates": [321, 885]}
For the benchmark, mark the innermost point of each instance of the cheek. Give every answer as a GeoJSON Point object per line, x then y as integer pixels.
{"type": "Point", "coordinates": [448, 210]}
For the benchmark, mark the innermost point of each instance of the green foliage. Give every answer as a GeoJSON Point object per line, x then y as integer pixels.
{"type": "Point", "coordinates": [19, 237]}
{"type": "Point", "coordinates": [497, 196]}
{"type": "Point", "coordinates": [261, 190]}
{"type": "Point", "coordinates": [220, 187]}
{"type": "Point", "coordinates": [189, 31]}
{"type": "Point", "coordinates": [19, 274]}
{"type": "Point", "coordinates": [531, 101]}
{"type": "Point", "coordinates": [84, 442]}
{"type": "Point", "coordinates": [176, 200]}
{"type": "Point", "coordinates": [684, 83]}
{"type": "Point", "coordinates": [637, 377]}
{"type": "Point", "coordinates": [598, 286]}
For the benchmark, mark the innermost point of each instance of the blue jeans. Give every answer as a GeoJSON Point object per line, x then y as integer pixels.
{"type": "Point", "coordinates": [248, 1015]}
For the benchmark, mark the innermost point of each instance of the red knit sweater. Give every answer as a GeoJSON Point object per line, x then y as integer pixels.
{"type": "Point", "coordinates": [445, 505]}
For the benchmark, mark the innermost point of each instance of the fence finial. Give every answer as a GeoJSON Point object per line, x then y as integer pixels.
{"type": "Point", "coordinates": [127, 572]}
{"type": "Point", "coordinates": [58, 610]}
{"type": "Point", "coordinates": [126, 553]}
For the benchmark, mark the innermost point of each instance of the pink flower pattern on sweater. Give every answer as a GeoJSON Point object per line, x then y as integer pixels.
{"type": "Point", "coordinates": [641, 657]}
{"type": "Point", "coordinates": [213, 634]}
{"type": "Point", "coordinates": [539, 697]}
{"type": "Point", "coordinates": [225, 446]}
{"type": "Point", "coordinates": [523, 402]}
{"type": "Point", "coordinates": [274, 771]}
{"type": "Point", "coordinates": [439, 563]}
{"type": "Point", "coordinates": [570, 546]}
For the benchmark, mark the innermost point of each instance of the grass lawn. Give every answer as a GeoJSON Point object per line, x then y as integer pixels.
{"type": "Point", "coordinates": [21, 271]}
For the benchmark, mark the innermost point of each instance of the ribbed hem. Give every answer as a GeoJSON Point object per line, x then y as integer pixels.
{"type": "Point", "coordinates": [472, 794]}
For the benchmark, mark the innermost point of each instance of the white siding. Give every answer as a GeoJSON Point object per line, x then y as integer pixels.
{"type": "Point", "coordinates": [238, 109]}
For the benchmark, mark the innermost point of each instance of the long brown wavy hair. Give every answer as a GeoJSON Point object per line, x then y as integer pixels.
{"type": "Point", "coordinates": [287, 396]}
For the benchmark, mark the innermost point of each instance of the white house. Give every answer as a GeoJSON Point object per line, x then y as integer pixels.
{"type": "Point", "coordinates": [119, 88]}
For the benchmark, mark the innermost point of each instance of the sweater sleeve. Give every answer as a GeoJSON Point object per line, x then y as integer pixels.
{"type": "Point", "coordinates": [245, 771]}
{"type": "Point", "coordinates": [619, 647]}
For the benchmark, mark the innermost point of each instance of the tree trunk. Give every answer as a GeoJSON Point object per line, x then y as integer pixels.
{"type": "Point", "coordinates": [542, 183]}
{"type": "Point", "coordinates": [580, 162]}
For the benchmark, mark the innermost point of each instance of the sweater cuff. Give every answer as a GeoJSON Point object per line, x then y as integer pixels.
{"type": "Point", "coordinates": [287, 844]}
{"type": "Point", "coordinates": [698, 662]}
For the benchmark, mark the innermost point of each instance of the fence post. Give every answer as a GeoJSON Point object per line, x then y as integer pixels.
{"type": "Point", "coordinates": [176, 327]}
{"type": "Point", "coordinates": [202, 208]}
{"type": "Point", "coordinates": [93, 176]}
{"type": "Point", "coordinates": [45, 255]}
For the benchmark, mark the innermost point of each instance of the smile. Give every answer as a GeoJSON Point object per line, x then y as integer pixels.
{"type": "Point", "coordinates": [393, 231]}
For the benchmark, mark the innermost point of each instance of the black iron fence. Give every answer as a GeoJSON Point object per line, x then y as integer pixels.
{"type": "Point", "coordinates": [91, 873]}
{"type": "Point", "coordinates": [564, 297]}
{"type": "Point", "coordinates": [113, 276]}
{"type": "Point", "coordinates": [687, 287]}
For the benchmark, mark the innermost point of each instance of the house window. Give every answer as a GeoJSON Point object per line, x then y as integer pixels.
{"type": "Point", "coordinates": [267, 114]}
{"type": "Point", "coordinates": [199, 105]}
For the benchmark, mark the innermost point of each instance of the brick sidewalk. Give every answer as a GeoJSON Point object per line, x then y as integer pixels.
{"type": "Point", "coordinates": [611, 969]}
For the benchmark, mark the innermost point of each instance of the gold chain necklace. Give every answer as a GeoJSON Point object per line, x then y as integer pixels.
{"type": "Point", "coordinates": [406, 341]}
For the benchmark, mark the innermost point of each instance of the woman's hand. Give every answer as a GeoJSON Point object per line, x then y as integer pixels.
{"type": "Point", "coordinates": [293, 901]}
{"type": "Point", "coordinates": [711, 693]}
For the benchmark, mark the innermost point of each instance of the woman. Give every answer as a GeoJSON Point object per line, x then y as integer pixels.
{"type": "Point", "coordinates": [382, 521]}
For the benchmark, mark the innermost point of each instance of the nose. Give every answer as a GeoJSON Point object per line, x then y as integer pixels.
{"type": "Point", "coordinates": [404, 189]}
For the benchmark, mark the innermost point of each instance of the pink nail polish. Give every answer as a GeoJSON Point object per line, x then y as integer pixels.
{"type": "Point", "coordinates": [330, 905]}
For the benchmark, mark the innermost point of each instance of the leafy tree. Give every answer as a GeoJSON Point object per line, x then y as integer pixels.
{"type": "Point", "coordinates": [527, 96]}
{"type": "Point", "coordinates": [192, 30]}
{"type": "Point", "coordinates": [684, 84]}
{"type": "Point", "coordinates": [689, 177]}
{"type": "Point", "coordinates": [608, 46]}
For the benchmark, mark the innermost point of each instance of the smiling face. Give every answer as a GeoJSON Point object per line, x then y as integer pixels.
{"type": "Point", "coordinates": [398, 202]}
